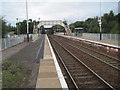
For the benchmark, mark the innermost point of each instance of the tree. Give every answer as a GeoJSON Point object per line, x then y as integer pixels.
{"type": "Point", "coordinates": [23, 26]}
{"type": "Point", "coordinates": [42, 30]}
{"type": "Point", "coordinates": [110, 24]}
{"type": "Point", "coordinates": [65, 22]}
{"type": "Point", "coordinates": [72, 27]}
{"type": "Point", "coordinates": [58, 28]}
{"type": "Point", "coordinates": [6, 27]}
{"type": "Point", "coordinates": [76, 25]}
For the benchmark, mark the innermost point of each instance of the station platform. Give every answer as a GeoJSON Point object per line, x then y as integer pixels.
{"type": "Point", "coordinates": [92, 41]}
{"type": "Point", "coordinates": [50, 75]}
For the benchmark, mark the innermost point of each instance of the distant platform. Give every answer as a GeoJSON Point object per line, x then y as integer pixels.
{"type": "Point", "coordinates": [92, 41]}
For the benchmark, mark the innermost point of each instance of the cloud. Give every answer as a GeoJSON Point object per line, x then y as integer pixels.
{"type": "Point", "coordinates": [11, 11]}
{"type": "Point", "coordinates": [71, 11]}
{"type": "Point", "coordinates": [59, 0]}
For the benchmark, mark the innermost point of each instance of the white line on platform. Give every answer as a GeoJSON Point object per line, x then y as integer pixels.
{"type": "Point", "coordinates": [35, 39]}
{"type": "Point", "coordinates": [48, 57]}
{"type": "Point", "coordinates": [59, 72]}
{"type": "Point", "coordinates": [39, 49]}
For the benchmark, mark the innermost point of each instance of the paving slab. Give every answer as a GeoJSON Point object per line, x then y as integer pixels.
{"type": "Point", "coordinates": [48, 83]}
{"type": "Point", "coordinates": [47, 64]}
{"type": "Point", "coordinates": [47, 52]}
{"type": "Point", "coordinates": [46, 60]}
{"type": "Point", "coordinates": [47, 75]}
{"type": "Point", "coordinates": [47, 69]}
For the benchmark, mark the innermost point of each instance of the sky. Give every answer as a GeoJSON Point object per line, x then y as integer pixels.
{"type": "Point", "coordinates": [70, 10]}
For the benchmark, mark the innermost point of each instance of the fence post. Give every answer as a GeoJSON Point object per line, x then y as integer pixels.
{"type": "Point", "coordinates": [115, 37]}
{"type": "Point", "coordinates": [9, 42]}
{"type": "Point", "coordinates": [5, 43]}
{"type": "Point", "coordinates": [110, 37]}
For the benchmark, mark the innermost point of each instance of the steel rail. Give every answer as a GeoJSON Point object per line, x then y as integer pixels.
{"type": "Point", "coordinates": [99, 52]}
{"type": "Point", "coordinates": [117, 68]}
{"type": "Point", "coordinates": [105, 82]}
{"type": "Point", "coordinates": [102, 54]}
{"type": "Point", "coordinates": [95, 51]}
{"type": "Point", "coordinates": [66, 68]}
{"type": "Point", "coordinates": [106, 62]}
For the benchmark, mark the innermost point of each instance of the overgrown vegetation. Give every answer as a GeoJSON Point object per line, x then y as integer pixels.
{"type": "Point", "coordinates": [14, 75]}
{"type": "Point", "coordinates": [110, 24]}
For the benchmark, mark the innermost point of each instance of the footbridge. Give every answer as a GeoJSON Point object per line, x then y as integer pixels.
{"type": "Point", "coordinates": [55, 22]}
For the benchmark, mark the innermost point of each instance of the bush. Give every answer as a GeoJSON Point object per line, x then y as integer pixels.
{"type": "Point", "coordinates": [14, 75]}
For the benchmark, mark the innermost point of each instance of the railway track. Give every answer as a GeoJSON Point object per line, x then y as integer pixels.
{"type": "Point", "coordinates": [101, 49]}
{"type": "Point", "coordinates": [81, 75]}
{"type": "Point", "coordinates": [111, 61]}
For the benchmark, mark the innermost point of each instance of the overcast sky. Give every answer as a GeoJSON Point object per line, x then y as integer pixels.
{"type": "Point", "coordinates": [72, 10]}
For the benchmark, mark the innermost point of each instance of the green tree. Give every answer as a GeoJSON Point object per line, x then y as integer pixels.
{"type": "Point", "coordinates": [110, 24]}
{"type": "Point", "coordinates": [65, 22]}
{"type": "Point", "coordinates": [23, 26]}
{"type": "Point", "coordinates": [58, 28]}
{"type": "Point", "coordinates": [76, 25]}
{"type": "Point", "coordinates": [6, 27]}
{"type": "Point", "coordinates": [42, 30]}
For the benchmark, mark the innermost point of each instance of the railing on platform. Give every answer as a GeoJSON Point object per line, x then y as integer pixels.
{"type": "Point", "coordinates": [9, 42]}
{"type": "Point", "coordinates": [108, 38]}
{"type": "Point", "coordinates": [34, 36]}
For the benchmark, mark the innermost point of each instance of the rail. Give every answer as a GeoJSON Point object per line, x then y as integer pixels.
{"type": "Point", "coordinates": [107, 47]}
{"type": "Point", "coordinates": [111, 61]}
{"type": "Point", "coordinates": [83, 65]}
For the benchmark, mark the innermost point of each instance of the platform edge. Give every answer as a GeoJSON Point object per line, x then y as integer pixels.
{"type": "Point", "coordinates": [59, 72]}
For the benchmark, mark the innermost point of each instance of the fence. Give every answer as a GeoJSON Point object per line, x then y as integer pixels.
{"type": "Point", "coordinates": [8, 42]}
{"type": "Point", "coordinates": [34, 36]}
{"type": "Point", "coordinates": [109, 38]}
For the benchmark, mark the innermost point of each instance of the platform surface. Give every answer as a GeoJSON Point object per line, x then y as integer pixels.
{"type": "Point", "coordinates": [48, 75]}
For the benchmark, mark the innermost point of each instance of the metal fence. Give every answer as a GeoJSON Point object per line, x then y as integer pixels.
{"type": "Point", "coordinates": [108, 38]}
{"type": "Point", "coordinates": [34, 36]}
{"type": "Point", "coordinates": [8, 42]}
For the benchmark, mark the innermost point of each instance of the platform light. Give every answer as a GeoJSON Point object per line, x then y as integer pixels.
{"type": "Point", "coordinates": [100, 23]}
{"type": "Point", "coordinates": [27, 21]}
{"type": "Point", "coordinates": [17, 25]}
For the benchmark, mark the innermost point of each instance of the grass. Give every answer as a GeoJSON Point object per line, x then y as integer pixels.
{"type": "Point", "coordinates": [14, 75]}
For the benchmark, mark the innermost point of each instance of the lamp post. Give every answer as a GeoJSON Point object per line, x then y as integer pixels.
{"type": "Point", "coordinates": [38, 27]}
{"type": "Point", "coordinates": [17, 25]}
{"type": "Point", "coordinates": [27, 21]}
{"type": "Point", "coordinates": [39, 19]}
{"type": "Point", "coordinates": [100, 23]}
